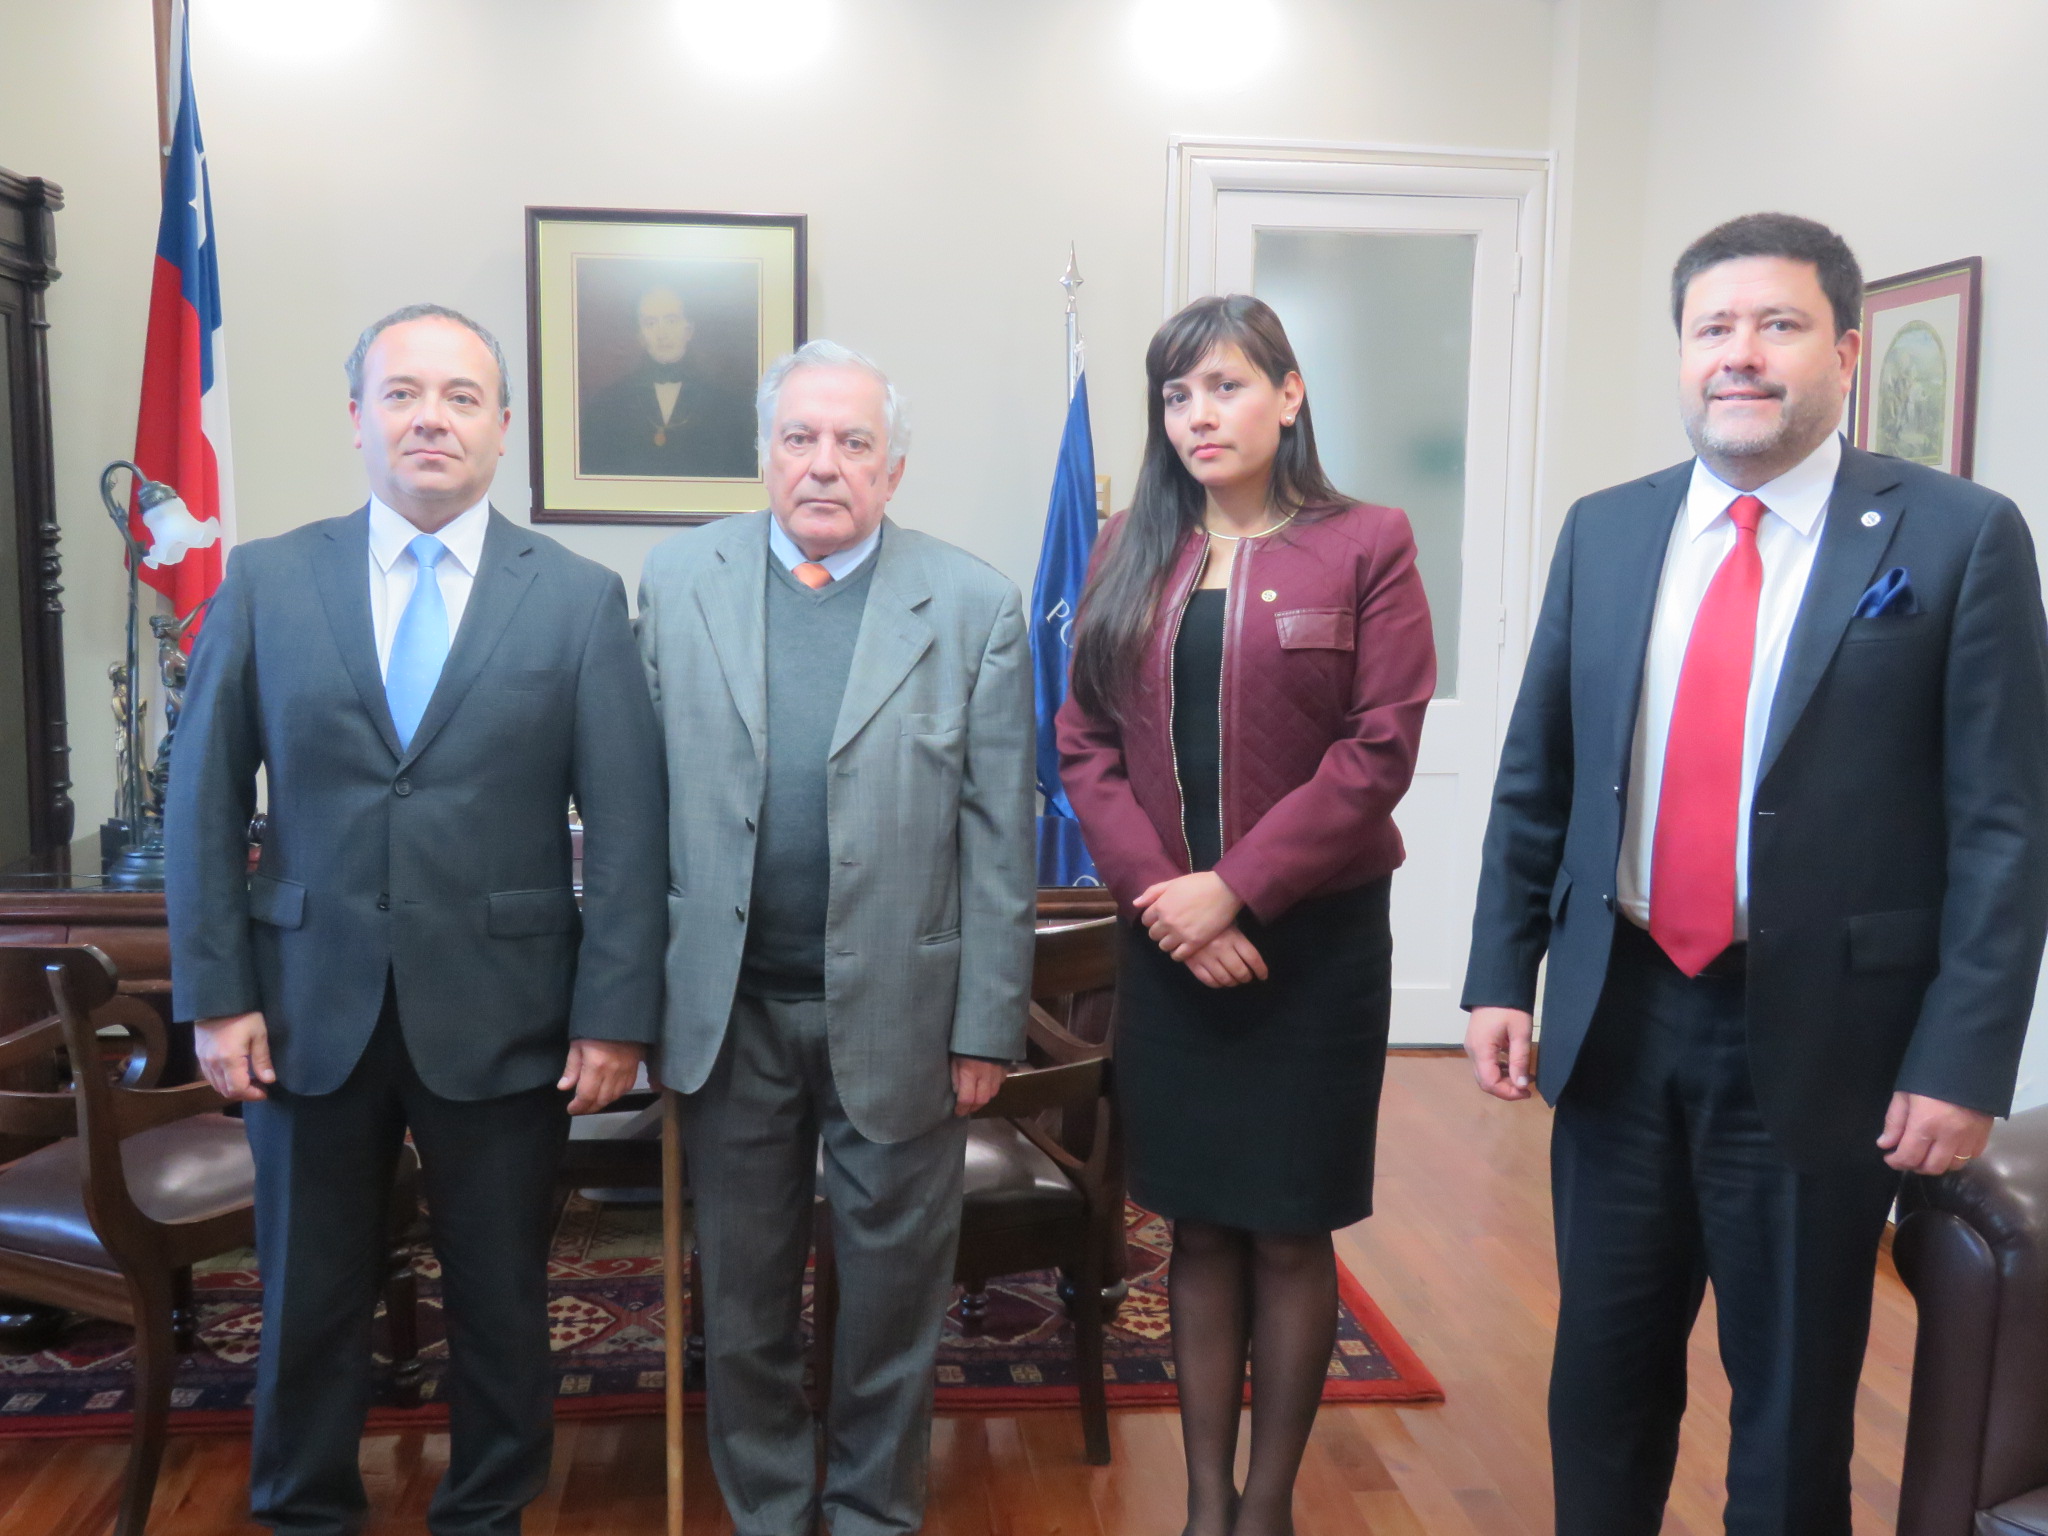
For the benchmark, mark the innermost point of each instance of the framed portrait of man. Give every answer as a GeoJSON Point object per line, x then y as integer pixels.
{"type": "Point", "coordinates": [647, 334]}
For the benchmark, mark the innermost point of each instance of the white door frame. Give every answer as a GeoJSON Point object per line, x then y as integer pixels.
{"type": "Point", "coordinates": [1199, 168]}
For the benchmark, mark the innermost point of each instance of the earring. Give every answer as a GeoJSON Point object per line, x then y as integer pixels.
{"type": "Point", "coordinates": [1286, 421]}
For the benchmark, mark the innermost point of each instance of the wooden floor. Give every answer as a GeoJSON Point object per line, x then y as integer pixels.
{"type": "Point", "coordinates": [1459, 1255]}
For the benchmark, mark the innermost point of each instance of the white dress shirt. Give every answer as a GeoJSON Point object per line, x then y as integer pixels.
{"type": "Point", "coordinates": [394, 572]}
{"type": "Point", "coordinates": [1701, 537]}
{"type": "Point", "coordinates": [838, 565]}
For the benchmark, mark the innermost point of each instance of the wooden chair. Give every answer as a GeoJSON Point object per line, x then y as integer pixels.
{"type": "Point", "coordinates": [144, 1183]}
{"type": "Point", "coordinates": [1044, 1178]}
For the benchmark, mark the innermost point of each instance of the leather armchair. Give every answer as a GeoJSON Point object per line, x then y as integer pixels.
{"type": "Point", "coordinates": [132, 1186]}
{"type": "Point", "coordinates": [1973, 1249]}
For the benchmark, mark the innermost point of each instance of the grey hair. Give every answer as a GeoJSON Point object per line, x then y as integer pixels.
{"type": "Point", "coordinates": [354, 366]}
{"type": "Point", "coordinates": [830, 354]}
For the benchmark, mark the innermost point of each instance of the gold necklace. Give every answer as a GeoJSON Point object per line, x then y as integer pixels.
{"type": "Point", "coordinates": [1237, 537]}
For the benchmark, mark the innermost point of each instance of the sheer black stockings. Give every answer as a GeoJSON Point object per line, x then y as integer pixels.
{"type": "Point", "coordinates": [1272, 1296]}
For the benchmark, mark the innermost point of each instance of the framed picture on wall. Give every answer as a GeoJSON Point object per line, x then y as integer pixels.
{"type": "Point", "coordinates": [1916, 385]}
{"type": "Point", "coordinates": [647, 334]}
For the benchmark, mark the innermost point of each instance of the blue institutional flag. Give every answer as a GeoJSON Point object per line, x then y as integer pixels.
{"type": "Point", "coordinates": [1062, 568]}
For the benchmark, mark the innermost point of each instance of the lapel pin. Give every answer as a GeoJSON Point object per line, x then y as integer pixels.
{"type": "Point", "coordinates": [1268, 595]}
{"type": "Point", "coordinates": [1872, 519]}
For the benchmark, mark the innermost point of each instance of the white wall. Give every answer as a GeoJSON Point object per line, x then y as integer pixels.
{"type": "Point", "coordinates": [945, 152]}
{"type": "Point", "coordinates": [1601, 87]}
{"type": "Point", "coordinates": [1915, 130]}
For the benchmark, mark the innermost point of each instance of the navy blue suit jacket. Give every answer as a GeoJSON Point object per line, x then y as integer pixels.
{"type": "Point", "coordinates": [444, 864]}
{"type": "Point", "coordinates": [1898, 869]}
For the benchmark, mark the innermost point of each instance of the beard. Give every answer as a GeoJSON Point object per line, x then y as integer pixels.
{"type": "Point", "coordinates": [1803, 420]}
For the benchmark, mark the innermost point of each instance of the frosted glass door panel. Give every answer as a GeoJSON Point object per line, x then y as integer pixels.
{"type": "Point", "coordinates": [1382, 324]}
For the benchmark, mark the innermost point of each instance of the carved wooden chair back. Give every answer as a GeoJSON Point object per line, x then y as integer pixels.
{"type": "Point", "coordinates": [110, 1097]}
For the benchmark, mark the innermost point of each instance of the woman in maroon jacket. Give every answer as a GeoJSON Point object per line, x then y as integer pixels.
{"type": "Point", "coordinates": [1251, 666]}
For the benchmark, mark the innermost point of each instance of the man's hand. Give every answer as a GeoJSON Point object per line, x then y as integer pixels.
{"type": "Point", "coordinates": [234, 1053]}
{"type": "Point", "coordinates": [1930, 1136]}
{"type": "Point", "coordinates": [1228, 960]}
{"type": "Point", "coordinates": [975, 1082]}
{"type": "Point", "coordinates": [1497, 1040]}
{"type": "Point", "coordinates": [1183, 915]}
{"type": "Point", "coordinates": [599, 1071]}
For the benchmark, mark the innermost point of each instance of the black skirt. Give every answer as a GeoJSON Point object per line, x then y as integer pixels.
{"type": "Point", "coordinates": [1258, 1106]}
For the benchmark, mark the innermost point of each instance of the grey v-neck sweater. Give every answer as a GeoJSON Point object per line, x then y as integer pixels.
{"type": "Point", "coordinates": [810, 638]}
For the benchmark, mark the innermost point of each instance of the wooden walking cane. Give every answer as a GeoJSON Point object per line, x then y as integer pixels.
{"type": "Point", "coordinates": [675, 1309]}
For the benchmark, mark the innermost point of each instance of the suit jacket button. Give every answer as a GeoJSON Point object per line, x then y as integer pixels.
{"type": "Point", "coordinates": [750, 823]}
{"type": "Point", "coordinates": [402, 788]}
{"type": "Point", "coordinates": [383, 903]}
{"type": "Point", "coordinates": [1607, 902]}
{"type": "Point", "coordinates": [740, 913]}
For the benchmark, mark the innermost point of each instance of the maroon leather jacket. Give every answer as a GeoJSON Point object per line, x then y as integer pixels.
{"type": "Point", "coordinates": [1328, 666]}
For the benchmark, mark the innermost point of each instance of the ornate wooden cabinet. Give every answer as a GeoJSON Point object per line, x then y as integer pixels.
{"type": "Point", "coordinates": [35, 755]}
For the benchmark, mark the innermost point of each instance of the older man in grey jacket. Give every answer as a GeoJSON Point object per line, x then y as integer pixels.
{"type": "Point", "coordinates": [847, 712]}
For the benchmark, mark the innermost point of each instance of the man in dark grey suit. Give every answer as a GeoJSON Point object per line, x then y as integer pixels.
{"type": "Point", "coordinates": [1774, 799]}
{"type": "Point", "coordinates": [427, 687]}
{"type": "Point", "coordinates": [846, 706]}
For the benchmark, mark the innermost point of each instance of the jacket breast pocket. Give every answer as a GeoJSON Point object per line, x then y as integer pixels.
{"type": "Point", "coordinates": [280, 903]}
{"type": "Point", "coordinates": [1317, 629]}
{"type": "Point", "coordinates": [531, 680]}
{"type": "Point", "coordinates": [531, 914]}
{"type": "Point", "coordinates": [1895, 941]}
{"type": "Point", "coordinates": [938, 722]}
{"type": "Point", "coordinates": [1885, 626]}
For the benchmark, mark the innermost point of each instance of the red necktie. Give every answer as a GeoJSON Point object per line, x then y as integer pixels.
{"type": "Point", "coordinates": [814, 575]}
{"type": "Point", "coordinates": [1692, 858]}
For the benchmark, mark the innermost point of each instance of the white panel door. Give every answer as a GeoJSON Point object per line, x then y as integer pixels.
{"type": "Point", "coordinates": [1403, 311]}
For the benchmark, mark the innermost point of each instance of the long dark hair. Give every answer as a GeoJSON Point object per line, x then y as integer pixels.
{"type": "Point", "coordinates": [1119, 605]}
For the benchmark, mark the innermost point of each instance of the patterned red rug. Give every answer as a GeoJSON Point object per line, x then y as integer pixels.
{"type": "Point", "coordinates": [608, 1332]}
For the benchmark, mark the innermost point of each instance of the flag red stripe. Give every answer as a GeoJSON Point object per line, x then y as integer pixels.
{"type": "Point", "coordinates": [170, 444]}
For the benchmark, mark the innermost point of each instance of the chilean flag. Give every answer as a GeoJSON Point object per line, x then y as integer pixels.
{"type": "Point", "coordinates": [181, 435]}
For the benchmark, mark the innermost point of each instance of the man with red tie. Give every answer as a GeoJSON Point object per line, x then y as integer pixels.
{"type": "Point", "coordinates": [1774, 801]}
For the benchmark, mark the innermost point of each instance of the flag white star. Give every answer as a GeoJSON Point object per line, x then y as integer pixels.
{"type": "Point", "coordinates": [198, 204]}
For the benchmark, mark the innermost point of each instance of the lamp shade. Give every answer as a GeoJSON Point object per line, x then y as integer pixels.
{"type": "Point", "coordinates": [173, 530]}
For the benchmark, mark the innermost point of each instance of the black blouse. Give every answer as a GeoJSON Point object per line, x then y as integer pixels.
{"type": "Point", "coordinates": [1198, 724]}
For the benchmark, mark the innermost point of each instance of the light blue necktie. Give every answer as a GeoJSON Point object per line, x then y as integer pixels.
{"type": "Point", "coordinates": [420, 646]}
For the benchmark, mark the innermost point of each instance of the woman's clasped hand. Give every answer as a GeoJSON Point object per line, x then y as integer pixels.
{"type": "Point", "coordinates": [1194, 920]}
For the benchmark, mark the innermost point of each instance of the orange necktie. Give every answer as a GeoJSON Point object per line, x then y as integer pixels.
{"type": "Point", "coordinates": [1692, 856]}
{"type": "Point", "coordinates": [811, 574]}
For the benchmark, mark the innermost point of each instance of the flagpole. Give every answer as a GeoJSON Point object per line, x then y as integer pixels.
{"type": "Point", "coordinates": [165, 15]}
{"type": "Point", "coordinates": [1072, 283]}
{"type": "Point", "coordinates": [1063, 557]}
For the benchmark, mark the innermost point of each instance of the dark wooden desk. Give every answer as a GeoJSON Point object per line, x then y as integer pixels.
{"type": "Point", "coordinates": [64, 901]}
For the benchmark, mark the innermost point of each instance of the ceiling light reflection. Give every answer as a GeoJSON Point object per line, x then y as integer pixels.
{"type": "Point", "coordinates": [291, 30]}
{"type": "Point", "coordinates": [1205, 44]}
{"type": "Point", "coordinates": [755, 39]}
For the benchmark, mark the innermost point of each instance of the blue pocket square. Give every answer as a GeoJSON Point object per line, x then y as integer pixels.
{"type": "Point", "coordinates": [1890, 595]}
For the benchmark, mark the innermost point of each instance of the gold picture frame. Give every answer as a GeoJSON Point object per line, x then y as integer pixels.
{"type": "Point", "coordinates": [647, 334]}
